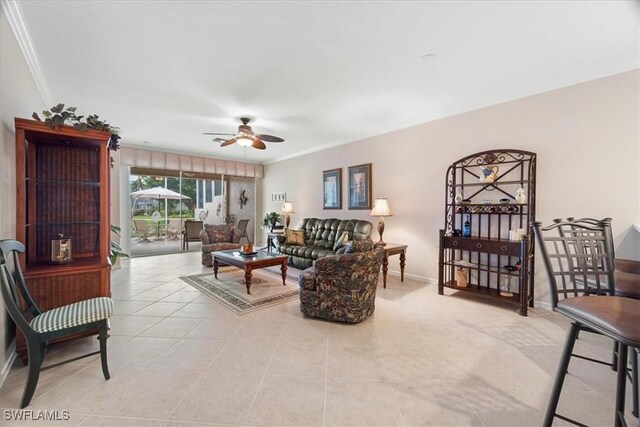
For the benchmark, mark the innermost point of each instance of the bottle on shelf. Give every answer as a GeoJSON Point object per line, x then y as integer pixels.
{"type": "Point", "coordinates": [466, 228]}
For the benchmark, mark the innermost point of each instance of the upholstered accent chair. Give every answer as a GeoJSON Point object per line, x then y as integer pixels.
{"type": "Point", "coordinates": [342, 287]}
{"type": "Point", "coordinates": [218, 238]}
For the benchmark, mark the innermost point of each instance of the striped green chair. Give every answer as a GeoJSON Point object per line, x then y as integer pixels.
{"type": "Point", "coordinates": [41, 327]}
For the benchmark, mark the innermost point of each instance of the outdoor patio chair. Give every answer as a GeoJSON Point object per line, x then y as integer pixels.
{"type": "Point", "coordinates": [581, 280]}
{"type": "Point", "coordinates": [191, 233]}
{"type": "Point", "coordinates": [141, 227]}
{"type": "Point", "coordinates": [39, 328]}
{"type": "Point", "coordinates": [173, 229]}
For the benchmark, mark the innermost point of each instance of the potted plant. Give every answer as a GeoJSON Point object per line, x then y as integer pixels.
{"type": "Point", "coordinates": [58, 116]}
{"type": "Point", "coordinates": [270, 220]}
{"type": "Point", "coordinates": [115, 251]}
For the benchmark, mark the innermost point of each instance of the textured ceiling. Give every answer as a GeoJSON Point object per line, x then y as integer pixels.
{"type": "Point", "coordinates": [316, 74]}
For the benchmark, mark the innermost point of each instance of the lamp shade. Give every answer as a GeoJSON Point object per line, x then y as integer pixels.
{"type": "Point", "coordinates": [287, 208]}
{"type": "Point", "coordinates": [381, 207]}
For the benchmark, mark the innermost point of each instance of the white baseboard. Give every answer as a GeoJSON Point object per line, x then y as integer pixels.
{"type": "Point", "coordinates": [11, 351]}
{"type": "Point", "coordinates": [542, 304]}
{"type": "Point", "coordinates": [424, 279]}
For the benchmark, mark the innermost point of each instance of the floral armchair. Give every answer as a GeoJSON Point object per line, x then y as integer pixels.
{"type": "Point", "coordinates": [342, 287]}
{"type": "Point", "coordinates": [218, 238]}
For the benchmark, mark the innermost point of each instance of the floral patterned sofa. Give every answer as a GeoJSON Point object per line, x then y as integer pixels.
{"type": "Point", "coordinates": [217, 238]}
{"type": "Point", "coordinates": [342, 287]}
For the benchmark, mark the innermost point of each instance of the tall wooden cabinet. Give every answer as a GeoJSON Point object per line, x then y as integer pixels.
{"type": "Point", "coordinates": [492, 193]}
{"type": "Point", "coordinates": [62, 180]}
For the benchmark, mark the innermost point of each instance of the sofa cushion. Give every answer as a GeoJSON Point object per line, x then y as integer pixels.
{"type": "Point", "coordinates": [310, 252]}
{"type": "Point", "coordinates": [76, 314]}
{"type": "Point", "coordinates": [220, 246]}
{"type": "Point", "coordinates": [219, 233]}
{"type": "Point", "coordinates": [294, 237]}
{"type": "Point", "coordinates": [342, 240]}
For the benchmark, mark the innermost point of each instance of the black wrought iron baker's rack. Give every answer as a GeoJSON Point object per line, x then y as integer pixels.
{"type": "Point", "coordinates": [494, 261]}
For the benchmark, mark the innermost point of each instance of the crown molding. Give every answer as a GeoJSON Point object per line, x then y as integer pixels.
{"type": "Point", "coordinates": [311, 150]}
{"type": "Point", "coordinates": [11, 10]}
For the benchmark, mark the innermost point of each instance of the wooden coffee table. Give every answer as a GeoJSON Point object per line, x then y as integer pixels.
{"type": "Point", "coordinates": [249, 263]}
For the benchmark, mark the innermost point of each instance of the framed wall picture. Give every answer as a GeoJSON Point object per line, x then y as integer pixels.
{"type": "Point", "coordinates": [279, 197]}
{"type": "Point", "coordinates": [332, 189]}
{"type": "Point", "coordinates": [360, 186]}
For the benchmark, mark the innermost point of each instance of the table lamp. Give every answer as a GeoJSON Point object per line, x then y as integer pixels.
{"type": "Point", "coordinates": [287, 209]}
{"type": "Point", "coordinates": [381, 209]}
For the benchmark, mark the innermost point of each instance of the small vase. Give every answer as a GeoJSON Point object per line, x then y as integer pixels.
{"type": "Point", "coordinates": [520, 195]}
{"type": "Point", "coordinates": [461, 278]}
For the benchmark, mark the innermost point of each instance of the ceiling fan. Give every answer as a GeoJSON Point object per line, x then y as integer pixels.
{"type": "Point", "coordinates": [245, 136]}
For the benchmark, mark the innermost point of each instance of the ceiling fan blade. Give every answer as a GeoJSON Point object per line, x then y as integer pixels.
{"type": "Point", "coordinates": [270, 138]}
{"type": "Point", "coordinates": [220, 140]}
{"type": "Point", "coordinates": [228, 142]}
{"type": "Point", "coordinates": [213, 133]}
{"type": "Point", "coordinates": [258, 144]}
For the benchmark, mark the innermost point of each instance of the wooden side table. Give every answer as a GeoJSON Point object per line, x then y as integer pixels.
{"type": "Point", "coordinates": [389, 250]}
{"type": "Point", "coordinates": [271, 238]}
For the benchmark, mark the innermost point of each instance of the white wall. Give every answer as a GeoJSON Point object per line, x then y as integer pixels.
{"type": "Point", "coordinates": [235, 186]}
{"type": "Point", "coordinates": [19, 97]}
{"type": "Point", "coordinates": [586, 137]}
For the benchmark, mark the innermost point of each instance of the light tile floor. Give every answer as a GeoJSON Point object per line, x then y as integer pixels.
{"type": "Point", "coordinates": [178, 358]}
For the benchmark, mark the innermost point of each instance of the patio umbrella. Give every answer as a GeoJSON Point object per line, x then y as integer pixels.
{"type": "Point", "coordinates": [158, 193]}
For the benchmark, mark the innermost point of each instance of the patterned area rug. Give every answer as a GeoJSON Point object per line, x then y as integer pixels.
{"type": "Point", "coordinates": [229, 288]}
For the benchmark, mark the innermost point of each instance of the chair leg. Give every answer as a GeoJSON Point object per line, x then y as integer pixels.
{"type": "Point", "coordinates": [560, 374]}
{"type": "Point", "coordinates": [614, 361]}
{"type": "Point", "coordinates": [102, 337]}
{"type": "Point", "coordinates": [634, 381]}
{"type": "Point", "coordinates": [621, 384]}
{"type": "Point", "coordinates": [36, 353]}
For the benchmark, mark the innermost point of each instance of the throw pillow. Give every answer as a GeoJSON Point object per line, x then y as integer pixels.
{"type": "Point", "coordinates": [219, 233]}
{"type": "Point", "coordinates": [349, 249]}
{"type": "Point", "coordinates": [342, 240]}
{"type": "Point", "coordinates": [294, 237]}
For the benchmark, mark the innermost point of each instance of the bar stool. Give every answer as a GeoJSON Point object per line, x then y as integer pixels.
{"type": "Point", "coordinates": [581, 279]}
{"type": "Point", "coordinates": [627, 284]}
{"type": "Point", "coordinates": [626, 277]}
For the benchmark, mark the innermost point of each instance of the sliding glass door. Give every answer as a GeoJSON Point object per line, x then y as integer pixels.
{"type": "Point", "coordinates": [169, 208]}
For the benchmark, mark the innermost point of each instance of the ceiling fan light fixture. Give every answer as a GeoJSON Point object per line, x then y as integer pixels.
{"type": "Point", "coordinates": [244, 140]}
{"type": "Point", "coordinates": [245, 137]}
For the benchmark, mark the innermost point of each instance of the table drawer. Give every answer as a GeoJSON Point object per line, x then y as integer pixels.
{"type": "Point", "coordinates": [500, 247]}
